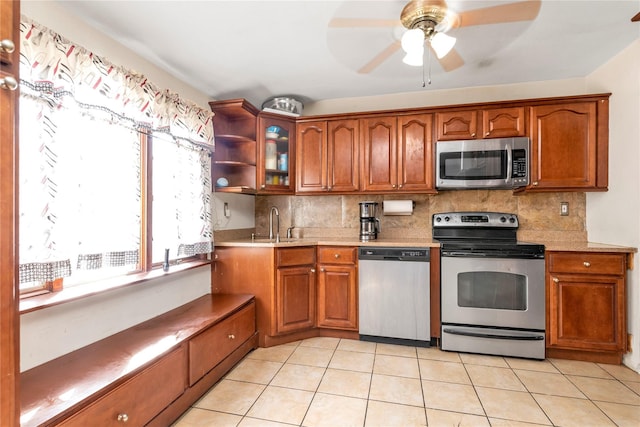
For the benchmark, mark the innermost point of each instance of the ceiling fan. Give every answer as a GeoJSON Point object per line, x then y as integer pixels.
{"type": "Point", "coordinates": [428, 21]}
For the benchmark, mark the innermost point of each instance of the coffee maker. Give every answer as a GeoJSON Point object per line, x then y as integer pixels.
{"type": "Point", "coordinates": [369, 224]}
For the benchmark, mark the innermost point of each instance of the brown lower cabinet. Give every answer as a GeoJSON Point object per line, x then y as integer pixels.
{"type": "Point", "coordinates": [586, 306]}
{"type": "Point", "coordinates": [338, 287]}
{"type": "Point", "coordinates": [293, 301]}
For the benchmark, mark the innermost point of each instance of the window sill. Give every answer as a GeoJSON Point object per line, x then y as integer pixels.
{"type": "Point", "coordinates": [49, 299]}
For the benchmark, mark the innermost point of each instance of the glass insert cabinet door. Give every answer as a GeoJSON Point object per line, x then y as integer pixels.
{"type": "Point", "coordinates": [276, 144]}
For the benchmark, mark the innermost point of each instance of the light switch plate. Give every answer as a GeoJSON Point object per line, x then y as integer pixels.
{"type": "Point", "coordinates": [564, 208]}
{"type": "Point", "coordinates": [227, 211]}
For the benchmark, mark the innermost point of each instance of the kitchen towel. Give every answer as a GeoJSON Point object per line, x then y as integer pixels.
{"type": "Point", "coordinates": [397, 207]}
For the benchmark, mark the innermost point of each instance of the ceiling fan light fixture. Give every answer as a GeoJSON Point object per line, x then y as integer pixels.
{"type": "Point", "coordinates": [414, 58]}
{"type": "Point", "coordinates": [442, 44]}
{"type": "Point", "coordinates": [413, 41]}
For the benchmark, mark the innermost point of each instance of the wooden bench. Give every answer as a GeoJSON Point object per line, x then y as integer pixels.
{"type": "Point", "coordinates": [148, 374]}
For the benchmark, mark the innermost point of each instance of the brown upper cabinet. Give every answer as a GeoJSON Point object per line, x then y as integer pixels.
{"type": "Point", "coordinates": [569, 146]}
{"type": "Point", "coordinates": [480, 123]}
{"type": "Point", "coordinates": [276, 154]}
{"type": "Point", "coordinates": [327, 156]}
{"type": "Point", "coordinates": [393, 151]}
{"type": "Point", "coordinates": [397, 153]}
{"type": "Point", "coordinates": [234, 159]}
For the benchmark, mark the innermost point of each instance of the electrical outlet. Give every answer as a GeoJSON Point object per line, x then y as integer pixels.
{"type": "Point", "coordinates": [227, 211]}
{"type": "Point", "coordinates": [564, 208]}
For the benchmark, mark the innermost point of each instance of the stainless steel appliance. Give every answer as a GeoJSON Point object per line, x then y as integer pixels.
{"type": "Point", "coordinates": [482, 163]}
{"type": "Point", "coordinates": [394, 295]}
{"type": "Point", "coordinates": [369, 223]}
{"type": "Point", "coordinates": [492, 286]}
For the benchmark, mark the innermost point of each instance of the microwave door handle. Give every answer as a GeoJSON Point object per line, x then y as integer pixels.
{"type": "Point", "coordinates": [509, 163]}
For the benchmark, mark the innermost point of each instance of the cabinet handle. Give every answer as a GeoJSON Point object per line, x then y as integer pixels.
{"type": "Point", "coordinates": [556, 280]}
{"type": "Point", "coordinates": [586, 264]}
{"type": "Point", "coordinates": [9, 83]}
{"type": "Point", "coordinates": [232, 337]}
{"type": "Point", "coordinates": [123, 418]}
{"type": "Point", "coordinates": [7, 46]}
{"type": "Point", "coordinates": [337, 256]}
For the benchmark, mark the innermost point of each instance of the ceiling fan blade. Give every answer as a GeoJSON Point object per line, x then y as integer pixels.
{"type": "Point", "coordinates": [359, 22]}
{"type": "Point", "coordinates": [512, 12]}
{"type": "Point", "coordinates": [380, 58]}
{"type": "Point", "coordinates": [636, 18]}
{"type": "Point", "coordinates": [451, 61]}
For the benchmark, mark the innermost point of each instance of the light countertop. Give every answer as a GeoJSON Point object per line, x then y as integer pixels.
{"type": "Point", "coordinates": [408, 242]}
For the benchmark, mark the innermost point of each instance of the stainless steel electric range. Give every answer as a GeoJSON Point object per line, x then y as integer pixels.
{"type": "Point", "coordinates": [492, 286]}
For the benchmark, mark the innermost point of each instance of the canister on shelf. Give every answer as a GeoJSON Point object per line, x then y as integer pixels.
{"type": "Point", "coordinates": [283, 161]}
{"type": "Point", "coordinates": [271, 155]}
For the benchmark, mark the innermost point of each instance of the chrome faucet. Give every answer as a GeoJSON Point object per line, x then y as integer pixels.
{"type": "Point", "coordinates": [277, 236]}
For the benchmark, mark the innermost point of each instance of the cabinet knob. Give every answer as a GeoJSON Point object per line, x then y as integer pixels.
{"type": "Point", "coordinates": [123, 418]}
{"type": "Point", "coordinates": [487, 134]}
{"type": "Point", "coordinates": [555, 280]}
{"type": "Point", "coordinates": [263, 186]}
{"type": "Point", "coordinates": [337, 256]}
{"type": "Point", "coordinates": [313, 270]}
{"type": "Point", "coordinates": [9, 82]}
{"type": "Point", "coordinates": [7, 46]}
{"type": "Point", "coordinates": [232, 337]}
{"type": "Point", "coordinates": [322, 270]}
{"type": "Point", "coordinates": [400, 186]}
{"type": "Point", "coordinates": [473, 135]}
{"type": "Point", "coordinates": [586, 264]}
{"type": "Point", "coordinates": [535, 183]}
{"type": "Point", "coordinates": [393, 186]}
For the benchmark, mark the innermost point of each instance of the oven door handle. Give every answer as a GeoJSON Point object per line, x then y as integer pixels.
{"type": "Point", "coordinates": [496, 336]}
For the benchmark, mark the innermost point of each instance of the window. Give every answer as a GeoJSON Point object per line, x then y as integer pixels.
{"type": "Point", "coordinates": [113, 171]}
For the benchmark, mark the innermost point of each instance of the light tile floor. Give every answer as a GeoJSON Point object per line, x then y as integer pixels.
{"type": "Point", "coordinates": [337, 382]}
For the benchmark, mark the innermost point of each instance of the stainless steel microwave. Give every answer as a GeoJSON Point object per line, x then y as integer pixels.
{"type": "Point", "coordinates": [483, 163]}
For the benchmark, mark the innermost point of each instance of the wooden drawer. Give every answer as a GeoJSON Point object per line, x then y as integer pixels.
{"type": "Point", "coordinates": [138, 400]}
{"type": "Point", "coordinates": [587, 262]}
{"type": "Point", "coordinates": [210, 347]}
{"type": "Point", "coordinates": [337, 255]}
{"type": "Point", "coordinates": [303, 255]}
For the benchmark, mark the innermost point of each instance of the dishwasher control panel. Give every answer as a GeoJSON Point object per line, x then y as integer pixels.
{"type": "Point", "coordinates": [394, 254]}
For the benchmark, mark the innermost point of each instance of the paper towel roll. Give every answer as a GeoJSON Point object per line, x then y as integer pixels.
{"type": "Point", "coordinates": [397, 207]}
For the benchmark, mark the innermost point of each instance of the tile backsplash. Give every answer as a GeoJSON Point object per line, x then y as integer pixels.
{"type": "Point", "coordinates": [338, 216]}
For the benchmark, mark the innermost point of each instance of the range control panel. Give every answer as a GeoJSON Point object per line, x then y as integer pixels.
{"type": "Point", "coordinates": [475, 219]}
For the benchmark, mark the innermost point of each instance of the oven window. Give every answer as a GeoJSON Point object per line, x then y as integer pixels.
{"type": "Point", "coordinates": [492, 289]}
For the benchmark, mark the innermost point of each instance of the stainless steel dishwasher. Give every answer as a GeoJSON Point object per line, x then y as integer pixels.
{"type": "Point", "coordinates": [394, 295]}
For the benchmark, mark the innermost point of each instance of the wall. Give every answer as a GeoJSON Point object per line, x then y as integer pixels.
{"type": "Point", "coordinates": [338, 216]}
{"type": "Point", "coordinates": [621, 224]}
{"type": "Point", "coordinates": [51, 332]}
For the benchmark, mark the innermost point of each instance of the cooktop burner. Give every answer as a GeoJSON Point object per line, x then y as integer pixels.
{"type": "Point", "coordinates": [482, 234]}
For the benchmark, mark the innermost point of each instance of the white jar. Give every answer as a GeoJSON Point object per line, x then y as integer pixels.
{"type": "Point", "coordinates": [271, 155]}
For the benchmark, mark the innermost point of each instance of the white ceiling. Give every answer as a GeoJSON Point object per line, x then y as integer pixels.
{"type": "Point", "coordinates": [259, 49]}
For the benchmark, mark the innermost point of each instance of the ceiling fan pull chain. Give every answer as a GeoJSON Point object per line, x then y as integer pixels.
{"type": "Point", "coordinates": [429, 79]}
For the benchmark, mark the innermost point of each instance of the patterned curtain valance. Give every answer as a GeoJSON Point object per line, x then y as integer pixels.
{"type": "Point", "coordinates": [53, 68]}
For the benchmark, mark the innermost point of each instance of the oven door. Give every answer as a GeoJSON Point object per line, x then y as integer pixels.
{"type": "Point", "coordinates": [493, 292]}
